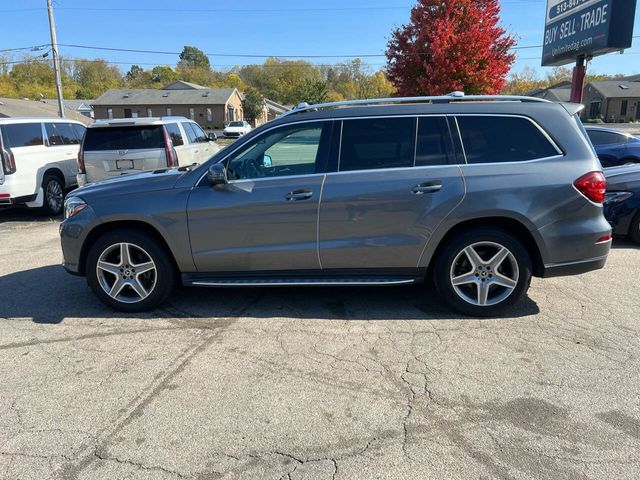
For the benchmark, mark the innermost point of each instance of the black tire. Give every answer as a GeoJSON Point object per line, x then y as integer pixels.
{"type": "Point", "coordinates": [53, 195]}
{"type": "Point", "coordinates": [634, 228]}
{"type": "Point", "coordinates": [517, 270]}
{"type": "Point", "coordinates": [157, 284]}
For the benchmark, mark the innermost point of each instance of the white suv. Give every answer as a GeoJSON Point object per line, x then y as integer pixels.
{"type": "Point", "coordinates": [38, 157]}
{"type": "Point", "coordinates": [129, 145]}
{"type": "Point", "coordinates": [236, 129]}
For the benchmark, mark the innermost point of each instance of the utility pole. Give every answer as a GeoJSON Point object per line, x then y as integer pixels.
{"type": "Point", "coordinates": [56, 58]}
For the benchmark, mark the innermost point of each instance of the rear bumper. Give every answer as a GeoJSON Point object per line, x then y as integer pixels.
{"type": "Point", "coordinates": [573, 268]}
{"type": "Point", "coordinates": [8, 201]}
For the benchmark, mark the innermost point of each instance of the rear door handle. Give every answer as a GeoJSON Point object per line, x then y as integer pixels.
{"type": "Point", "coordinates": [298, 195]}
{"type": "Point", "coordinates": [427, 187]}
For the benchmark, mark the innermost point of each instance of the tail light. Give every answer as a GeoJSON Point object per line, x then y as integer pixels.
{"type": "Point", "coordinates": [172, 160]}
{"type": "Point", "coordinates": [81, 168]}
{"type": "Point", "coordinates": [8, 162]}
{"type": "Point", "coordinates": [592, 185]}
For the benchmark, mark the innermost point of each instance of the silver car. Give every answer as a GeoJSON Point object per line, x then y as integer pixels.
{"type": "Point", "coordinates": [478, 193]}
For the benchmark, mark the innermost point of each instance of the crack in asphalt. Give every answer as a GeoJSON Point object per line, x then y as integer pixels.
{"type": "Point", "coordinates": [138, 405]}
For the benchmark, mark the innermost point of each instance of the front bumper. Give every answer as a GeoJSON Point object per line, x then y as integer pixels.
{"type": "Point", "coordinates": [73, 234]}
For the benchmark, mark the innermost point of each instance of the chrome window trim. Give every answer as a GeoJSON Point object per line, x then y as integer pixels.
{"type": "Point", "coordinates": [508, 115]}
{"type": "Point", "coordinates": [261, 179]}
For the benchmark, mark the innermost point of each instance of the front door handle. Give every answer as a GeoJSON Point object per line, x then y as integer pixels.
{"type": "Point", "coordinates": [298, 195]}
{"type": "Point", "coordinates": [427, 187]}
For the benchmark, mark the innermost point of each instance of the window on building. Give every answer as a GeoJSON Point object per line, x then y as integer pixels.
{"type": "Point", "coordinates": [502, 139]}
{"type": "Point", "coordinates": [110, 113]}
{"type": "Point", "coordinates": [135, 114]}
{"type": "Point", "coordinates": [595, 107]}
{"type": "Point", "coordinates": [623, 107]}
{"type": "Point", "coordinates": [169, 111]}
{"type": "Point", "coordinates": [149, 112]}
{"type": "Point", "coordinates": [377, 143]}
{"type": "Point", "coordinates": [209, 115]}
{"type": "Point", "coordinates": [192, 113]}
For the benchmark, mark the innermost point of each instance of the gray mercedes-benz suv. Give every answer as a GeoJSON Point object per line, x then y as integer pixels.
{"type": "Point", "coordinates": [479, 193]}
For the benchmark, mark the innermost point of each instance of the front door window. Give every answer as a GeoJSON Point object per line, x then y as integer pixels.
{"type": "Point", "coordinates": [292, 150]}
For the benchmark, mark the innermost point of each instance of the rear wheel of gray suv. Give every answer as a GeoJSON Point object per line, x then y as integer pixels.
{"type": "Point", "coordinates": [129, 271]}
{"type": "Point", "coordinates": [483, 271]}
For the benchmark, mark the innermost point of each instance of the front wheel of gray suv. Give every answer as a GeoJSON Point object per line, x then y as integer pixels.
{"type": "Point", "coordinates": [483, 271]}
{"type": "Point", "coordinates": [129, 271]}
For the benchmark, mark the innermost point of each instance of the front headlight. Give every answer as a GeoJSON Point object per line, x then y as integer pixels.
{"type": "Point", "coordinates": [616, 197]}
{"type": "Point", "coordinates": [73, 206]}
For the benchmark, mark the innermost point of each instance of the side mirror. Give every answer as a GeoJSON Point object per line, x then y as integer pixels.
{"type": "Point", "coordinates": [266, 160]}
{"type": "Point", "coordinates": [217, 174]}
{"type": "Point", "coordinates": [212, 137]}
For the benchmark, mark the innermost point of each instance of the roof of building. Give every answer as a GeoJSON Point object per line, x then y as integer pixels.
{"type": "Point", "coordinates": [71, 104]}
{"type": "Point", "coordinates": [616, 88]}
{"type": "Point", "coordinates": [559, 92]}
{"type": "Point", "coordinates": [182, 85]}
{"type": "Point", "coordinates": [15, 107]}
{"type": "Point", "coordinates": [147, 96]}
{"type": "Point", "coordinates": [632, 78]}
{"type": "Point", "coordinates": [276, 107]}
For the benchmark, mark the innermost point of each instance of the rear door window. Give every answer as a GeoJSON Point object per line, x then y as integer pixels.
{"type": "Point", "coordinates": [124, 138]}
{"type": "Point", "coordinates": [600, 137]}
{"type": "Point", "coordinates": [191, 134]}
{"type": "Point", "coordinates": [433, 146]}
{"type": "Point", "coordinates": [79, 129]}
{"type": "Point", "coordinates": [376, 143]}
{"type": "Point", "coordinates": [174, 134]}
{"type": "Point", "coordinates": [61, 134]}
{"type": "Point", "coordinates": [498, 139]}
{"type": "Point", "coordinates": [17, 135]}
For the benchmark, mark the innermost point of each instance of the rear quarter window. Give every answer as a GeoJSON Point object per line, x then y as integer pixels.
{"type": "Point", "coordinates": [174, 134]}
{"type": "Point", "coordinates": [496, 139]}
{"type": "Point", "coordinates": [16, 135]}
{"type": "Point", "coordinates": [124, 138]}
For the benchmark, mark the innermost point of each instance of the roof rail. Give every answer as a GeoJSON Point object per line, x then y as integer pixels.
{"type": "Point", "coordinates": [452, 97]}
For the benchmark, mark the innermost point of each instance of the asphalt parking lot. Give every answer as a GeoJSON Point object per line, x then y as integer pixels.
{"type": "Point", "coordinates": [313, 383]}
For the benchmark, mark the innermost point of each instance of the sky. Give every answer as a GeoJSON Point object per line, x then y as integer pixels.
{"type": "Point", "coordinates": [332, 30]}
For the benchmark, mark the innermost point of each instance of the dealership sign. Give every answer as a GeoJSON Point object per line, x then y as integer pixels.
{"type": "Point", "coordinates": [586, 27]}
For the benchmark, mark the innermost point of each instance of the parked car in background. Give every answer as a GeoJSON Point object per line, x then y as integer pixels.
{"type": "Point", "coordinates": [115, 147]}
{"type": "Point", "coordinates": [622, 202]}
{"type": "Point", "coordinates": [614, 147]}
{"type": "Point", "coordinates": [379, 194]}
{"type": "Point", "coordinates": [38, 157]}
{"type": "Point", "coordinates": [236, 129]}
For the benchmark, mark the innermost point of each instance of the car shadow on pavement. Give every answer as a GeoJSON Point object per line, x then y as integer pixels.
{"type": "Point", "coordinates": [50, 295]}
{"type": "Point", "coordinates": [24, 214]}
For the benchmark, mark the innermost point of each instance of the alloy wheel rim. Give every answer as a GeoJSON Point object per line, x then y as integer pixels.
{"type": "Point", "coordinates": [126, 272]}
{"type": "Point", "coordinates": [54, 196]}
{"type": "Point", "coordinates": [484, 274]}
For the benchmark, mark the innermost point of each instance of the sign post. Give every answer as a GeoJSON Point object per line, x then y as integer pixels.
{"type": "Point", "coordinates": [578, 30]}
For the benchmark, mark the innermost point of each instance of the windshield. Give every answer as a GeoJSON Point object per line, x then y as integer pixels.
{"type": "Point", "coordinates": [236, 124]}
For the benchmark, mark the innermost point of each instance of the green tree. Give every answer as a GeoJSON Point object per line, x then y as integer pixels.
{"type": "Point", "coordinates": [311, 91]}
{"type": "Point", "coordinates": [253, 104]}
{"type": "Point", "coordinates": [163, 75]}
{"type": "Point", "coordinates": [94, 77]}
{"type": "Point", "coordinates": [192, 57]}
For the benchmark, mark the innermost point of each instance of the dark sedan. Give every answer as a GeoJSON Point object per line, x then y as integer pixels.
{"type": "Point", "coordinates": [622, 201]}
{"type": "Point", "coordinates": [613, 147]}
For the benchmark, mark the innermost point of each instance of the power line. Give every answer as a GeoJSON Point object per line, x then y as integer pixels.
{"type": "Point", "coordinates": [246, 10]}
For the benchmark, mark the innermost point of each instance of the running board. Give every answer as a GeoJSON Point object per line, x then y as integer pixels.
{"type": "Point", "coordinates": [297, 282]}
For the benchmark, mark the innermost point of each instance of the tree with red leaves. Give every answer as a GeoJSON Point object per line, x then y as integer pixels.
{"type": "Point", "coordinates": [450, 45]}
